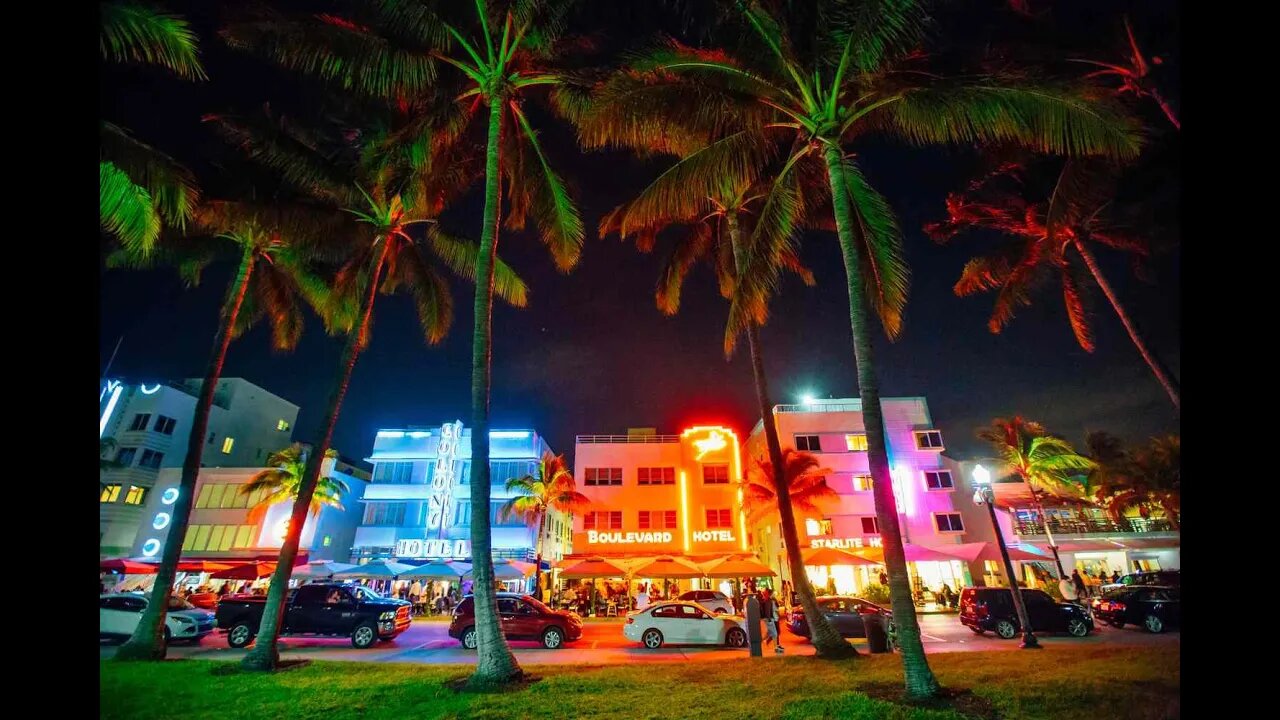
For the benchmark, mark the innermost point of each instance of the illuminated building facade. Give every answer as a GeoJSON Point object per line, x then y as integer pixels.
{"type": "Point", "coordinates": [924, 489]}
{"type": "Point", "coordinates": [418, 506]}
{"type": "Point", "coordinates": [149, 425]}
{"type": "Point", "coordinates": [654, 494]}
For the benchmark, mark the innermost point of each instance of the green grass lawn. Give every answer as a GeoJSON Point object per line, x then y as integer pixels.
{"type": "Point", "coordinates": [1088, 684]}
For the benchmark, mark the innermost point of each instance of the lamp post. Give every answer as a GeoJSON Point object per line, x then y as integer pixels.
{"type": "Point", "coordinates": [983, 495]}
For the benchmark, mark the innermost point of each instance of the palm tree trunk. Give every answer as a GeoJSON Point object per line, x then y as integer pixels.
{"type": "Point", "coordinates": [495, 664]}
{"type": "Point", "coordinates": [537, 570]}
{"type": "Point", "coordinates": [920, 681]}
{"type": "Point", "coordinates": [147, 642]}
{"type": "Point", "coordinates": [825, 638]}
{"type": "Point", "coordinates": [1166, 380]}
{"type": "Point", "coordinates": [265, 654]}
{"type": "Point", "coordinates": [1044, 519]}
{"type": "Point", "coordinates": [1168, 111]}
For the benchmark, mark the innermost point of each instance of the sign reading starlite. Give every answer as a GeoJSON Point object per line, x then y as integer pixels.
{"type": "Point", "coordinates": [433, 549]}
{"type": "Point", "coordinates": [442, 479]}
{"type": "Point", "coordinates": [595, 537]}
{"type": "Point", "coordinates": [844, 543]}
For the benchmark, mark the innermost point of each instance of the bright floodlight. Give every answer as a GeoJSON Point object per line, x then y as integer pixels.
{"type": "Point", "coordinates": [981, 475]}
{"type": "Point", "coordinates": [808, 399]}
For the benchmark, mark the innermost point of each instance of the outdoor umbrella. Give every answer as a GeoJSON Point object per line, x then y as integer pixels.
{"type": "Point", "coordinates": [377, 570]}
{"type": "Point", "coordinates": [667, 567]}
{"type": "Point", "coordinates": [593, 567]}
{"type": "Point", "coordinates": [508, 570]}
{"type": "Point", "coordinates": [201, 566]}
{"type": "Point", "coordinates": [439, 570]}
{"type": "Point", "coordinates": [991, 551]}
{"type": "Point", "coordinates": [248, 571]}
{"type": "Point", "coordinates": [827, 557]}
{"type": "Point", "coordinates": [729, 567]}
{"type": "Point", "coordinates": [122, 566]}
{"type": "Point", "coordinates": [320, 569]}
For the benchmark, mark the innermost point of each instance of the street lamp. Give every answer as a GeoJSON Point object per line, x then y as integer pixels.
{"type": "Point", "coordinates": [984, 495]}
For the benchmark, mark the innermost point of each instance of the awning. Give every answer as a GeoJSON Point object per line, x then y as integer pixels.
{"type": "Point", "coordinates": [665, 566]}
{"type": "Point", "coordinates": [202, 566]}
{"type": "Point", "coordinates": [375, 570]}
{"type": "Point", "coordinates": [248, 571]}
{"type": "Point", "coordinates": [594, 567]}
{"type": "Point", "coordinates": [828, 557]}
{"type": "Point", "coordinates": [914, 553]}
{"type": "Point", "coordinates": [438, 570]}
{"type": "Point", "coordinates": [124, 566]}
{"type": "Point", "coordinates": [735, 568]}
{"type": "Point", "coordinates": [991, 551]}
{"type": "Point", "coordinates": [320, 569]}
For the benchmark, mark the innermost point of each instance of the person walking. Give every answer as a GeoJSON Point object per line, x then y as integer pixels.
{"type": "Point", "coordinates": [1066, 586]}
{"type": "Point", "coordinates": [769, 614]}
{"type": "Point", "coordinates": [1115, 577]}
{"type": "Point", "coordinates": [1078, 582]}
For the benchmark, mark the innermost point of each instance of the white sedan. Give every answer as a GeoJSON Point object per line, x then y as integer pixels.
{"type": "Point", "coordinates": [684, 623]}
{"type": "Point", "coordinates": [119, 613]}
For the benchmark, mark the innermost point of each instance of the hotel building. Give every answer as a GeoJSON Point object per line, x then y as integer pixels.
{"type": "Point", "coordinates": [149, 425]}
{"type": "Point", "coordinates": [418, 506]}
{"type": "Point", "coordinates": [924, 489]}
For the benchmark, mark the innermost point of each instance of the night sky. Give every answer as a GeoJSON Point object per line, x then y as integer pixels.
{"type": "Point", "coordinates": [592, 354]}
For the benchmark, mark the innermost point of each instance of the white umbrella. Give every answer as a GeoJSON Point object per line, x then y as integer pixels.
{"type": "Point", "coordinates": [377, 569]}
{"type": "Point", "coordinates": [318, 569]}
{"type": "Point", "coordinates": [439, 570]}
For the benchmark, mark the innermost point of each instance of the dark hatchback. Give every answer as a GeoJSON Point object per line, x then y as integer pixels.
{"type": "Point", "coordinates": [523, 617]}
{"type": "Point", "coordinates": [984, 609]}
{"type": "Point", "coordinates": [1154, 608]}
{"type": "Point", "coordinates": [843, 612]}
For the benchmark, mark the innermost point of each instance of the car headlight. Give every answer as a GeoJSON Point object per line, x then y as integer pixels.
{"type": "Point", "coordinates": [388, 615]}
{"type": "Point", "coordinates": [184, 620]}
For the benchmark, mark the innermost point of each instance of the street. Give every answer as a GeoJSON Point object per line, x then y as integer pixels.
{"type": "Point", "coordinates": [427, 641]}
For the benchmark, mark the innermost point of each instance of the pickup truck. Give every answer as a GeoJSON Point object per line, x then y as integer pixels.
{"type": "Point", "coordinates": [319, 609]}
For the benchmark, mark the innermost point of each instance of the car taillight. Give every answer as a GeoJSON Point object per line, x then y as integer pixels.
{"type": "Point", "coordinates": [981, 611]}
{"type": "Point", "coordinates": [1117, 606]}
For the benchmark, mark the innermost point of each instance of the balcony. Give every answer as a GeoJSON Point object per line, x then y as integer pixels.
{"type": "Point", "coordinates": [1090, 526]}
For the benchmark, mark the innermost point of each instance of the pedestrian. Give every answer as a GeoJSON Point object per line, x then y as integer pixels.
{"type": "Point", "coordinates": [642, 598]}
{"type": "Point", "coordinates": [1115, 577]}
{"type": "Point", "coordinates": [1078, 582]}
{"type": "Point", "coordinates": [1102, 578]}
{"type": "Point", "coordinates": [945, 593]}
{"type": "Point", "coordinates": [1066, 586]}
{"type": "Point", "coordinates": [769, 614]}
{"type": "Point", "coordinates": [884, 578]}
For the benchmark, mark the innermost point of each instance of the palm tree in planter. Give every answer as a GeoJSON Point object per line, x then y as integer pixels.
{"type": "Point", "coordinates": [281, 480]}
{"type": "Point", "coordinates": [1047, 464]}
{"type": "Point", "coordinates": [831, 77]}
{"type": "Point", "coordinates": [140, 189]}
{"type": "Point", "coordinates": [552, 488]}
{"type": "Point", "coordinates": [1053, 238]}
{"type": "Point", "coordinates": [501, 51]}
{"type": "Point", "coordinates": [273, 246]}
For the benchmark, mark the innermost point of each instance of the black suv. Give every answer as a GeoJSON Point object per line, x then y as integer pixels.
{"type": "Point", "coordinates": [989, 608]}
{"type": "Point", "coordinates": [1154, 608]}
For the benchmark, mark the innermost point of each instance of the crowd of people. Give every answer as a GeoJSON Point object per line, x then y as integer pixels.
{"type": "Point", "coordinates": [1083, 585]}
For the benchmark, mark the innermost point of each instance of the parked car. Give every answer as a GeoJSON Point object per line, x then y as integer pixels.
{"type": "Point", "coordinates": [319, 609]}
{"type": "Point", "coordinates": [1154, 608]}
{"type": "Point", "coordinates": [1163, 578]}
{"type": "Point", "coordinates": [119, 613]}
{"type": "Point", "coordinates": [709, 599]}
{"type": "Point", "coordinates": [684, 623]}
{"type": "Point", "coordinates": [523, 617]}
{"type": "Point", "coordinates": [985, 609]}
{"type": "Point", "coordinates": [843, 612]}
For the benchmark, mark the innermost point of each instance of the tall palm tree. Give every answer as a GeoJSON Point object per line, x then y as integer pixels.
{"type": "Point", "coordinates": [273, 246]}
{"type": "Point", "coordinates": [283, 476]}
{"type": "Point", "coordinates": [1134, 75]}
{"type": "Point", "coordinates": [833, 75]}
{"type": "Point", "coordinates": [139, 187]}
{"type": "Point", "coordinates": [1047, 464]}
{"type": "Point", "coordinates": [501, 50]}
{"type": "Point", "coordinates": [1111, 470]}
{"type": "Point", "coordinates": [1154, 477]}
{"type": "Point", "coordinates": [1072, 217]}
{"type": "Point", "coordinates": [552, 488]}
{"type": "Point", "coordinates": [806, 486]}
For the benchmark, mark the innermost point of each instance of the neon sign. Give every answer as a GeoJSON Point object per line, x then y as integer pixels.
{"type": "Point", "coordinates": [627, 538]}
{"type": "Point", "coordinates": [115, 388]}
{"type": "Point", "coordinates": [712, 536]}
{"type": "Point", "coordinates": [151, 547]}
{"type": "Point", "coordinates": [844, 543]}
{"type": "Point", "coordinates": [154, 389]}
{"type": "Point", "coordinates": [709, 444]}
{"type": "Point", "coordinates": [433, 549]}
{"type": "Point", "coordinates": [170, 496]}
{"type": "Point", "coordinates": [161, 521]}
{"type": "Point", "coordinates": [442, 479]}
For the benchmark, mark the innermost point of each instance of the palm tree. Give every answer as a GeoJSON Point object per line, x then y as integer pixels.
{"type": "Point", "coordinates": [806, 486]}
{"type": "Point", "coordinates": [393, 57]}
{"type": "Point", "coordinates": [1073, 217]}
{"type": "Point", "coordinates": [1154, 477]}
{"type": "Point", "coordinates": [273, 245]}
{"type": "Point", "coordinates": [1134, 76]}
{"type": "Point", "coordinates": [1111, 471]}
{"type": "Point", "coordinates": [1047, 464]}
{"type": "Point", "coordinates": [551, 489]}
{"type": "Point", "coordinates": [139, 187]}
{"type": "Point", "coordinates": [281, 480]}
{"type": "Point", "coordinates": [843, 74]}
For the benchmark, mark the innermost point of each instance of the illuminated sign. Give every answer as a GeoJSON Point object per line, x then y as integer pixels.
{"type": "Point", "coordinates": [161, 521]}
{"type": "Point", "coordinates": [115, 388]}
{"type": "Point", "coordinates": [151, 547]}
{"type": "Point", "coordinates": [170, 496]}
{"type": "Point", "coordinates": [711, 443]}
{"type": "Point", "coordinates": [149, 391]}
{"type": "Point", "coordinates": [844, 543]}
{"type": "Point", "coordinates": [433, 549]}
{"type": "Point", "coordinates": [626, 538]}
{"type": "Point", "coordinates": [712, 536]}
{"type": "Point", "coordinates": [442, 480]}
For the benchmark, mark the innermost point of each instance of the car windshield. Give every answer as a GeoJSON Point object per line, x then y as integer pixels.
{"type": "Point", "coordinates": [177, 603]}
{"type": "Point", "coordinates": [536, 604]}
{"type": "Point", "coordinates": [365, 594]}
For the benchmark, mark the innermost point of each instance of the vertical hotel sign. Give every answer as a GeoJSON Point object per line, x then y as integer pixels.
{"type": "Point", "coordinates": [442, 479]}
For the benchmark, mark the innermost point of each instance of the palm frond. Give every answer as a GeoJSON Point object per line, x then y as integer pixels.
{"type": "Point", "coordinates": [172, 187]}
{"type": "Point", "coordinates": [885, 273]}
{"type": "Point", "coordinates": [686, 253]}
{"type": "Point", "coordinates": [135, 33]}
{"type": "Point", "coordinates": [1077, 313]}
{"type": "Point", "coordinates": [126, 209]}
{"type": "Point", "coordinates": [430, 291]}
{"type": "Point", "coordinates": [559, 224]}
{"type": "Point", "coordinates": [297, 163]}
{"type": "Point", "coordinates": [460, 255]}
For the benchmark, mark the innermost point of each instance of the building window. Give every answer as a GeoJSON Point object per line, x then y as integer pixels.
{"type": "Point", "coordinates": [602, 520]}
{"type": "Point", "coordinates": [384, 513]}
{"type": "Point", "coordinates": [110, 493]}
{"type": "Point", "coordinates": [126, 455]}
{"type": "Point", "coordinates": [151, 459]}
{"type": "Point", "coordinates": [938, 480]}
{"type": "Point", "coordinates": [928, 440]}
{"type": "Point", "coordinates": [604, 476]}
{"type": "Point", "coordinates": [463, 510]}
{"type": "Point", "coordinates": [140, 421]}
{"type": "Point", "coordinates": [656, 476]}
{"type": "Point", "coordinates": [808, 443]}
{"type": "Point", "coordinates": [282, 425]}
{"type": "Point", "coordinates": [164, 425]}
{"type": "Point", "coordinates": [817, 527]}
{"type": "Point", "coordinates": [644, 520]}
{"type": "Point", "coordinates": [328, 539]}
{"type": "Point", "coordinates": [227, 444]}
{"type": "Point", "coordinates": [856, 442]}
{"type": "Point", "coordinates": [503, 470]}
{"type": "Point", "coordinates": [218, 538]}
{"type": "Point", "coordinates": [668, 519]}
{"type": "Point", "coordinates": [211, 436]}
{"type": "Point", "coordinates": [948, 522]}
{"type": "Point", "coordinates": [393, 473]}
{"type": "Point", "coordinates": [870, 525]}
{"type": "Point", "coordinates": [862, 483]}
{"type": "Point", "coordinates": [135, 496]}
{"type": "Point", "coordinates": [721, 518]}
{"type": "Point", "coordinates": [715, 474]}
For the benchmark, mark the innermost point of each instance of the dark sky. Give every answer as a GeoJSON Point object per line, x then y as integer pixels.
{"type": "Point", "coordinates": [591, 353]}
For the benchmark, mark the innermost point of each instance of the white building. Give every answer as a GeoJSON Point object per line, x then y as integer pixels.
{"type": "Point", "coordinates": [149, 425]}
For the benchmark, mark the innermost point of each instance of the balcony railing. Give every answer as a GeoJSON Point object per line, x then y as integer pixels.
{"type": "Point", "coordinates": [1085, 526]}
{"type": "Point", "coordinates": [819, 407]}
{"type": "Point", "coordinates": [607, 439]}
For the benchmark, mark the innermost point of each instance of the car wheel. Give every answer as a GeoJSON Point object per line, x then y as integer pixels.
{"type": "Point", "coordinates": [239, 635]}
{"type": "Point", "coordinates": [552, 638]}
{"type": "Point", "coordinates": [364, 636]}
{"type": "Point", "coordinates": [469, 639]}
{"type": "Point", "coordinates": [652, 639]}
{"type": "Point", "coordinates": [1153, 624]}
{"type": "Point", "coordinates": [1077, 627]}
{"type": "Point", "coordinates": [735, 638]}
{"type": "Point", "coordinates": [1006, 629]}
{"type": "Point", "coordinates": [978, 631]}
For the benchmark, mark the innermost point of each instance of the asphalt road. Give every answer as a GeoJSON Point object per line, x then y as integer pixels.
{"type": "Point", "coordinates": [427, 641]}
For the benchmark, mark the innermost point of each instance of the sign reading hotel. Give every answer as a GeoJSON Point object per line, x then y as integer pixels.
{"type": "Point", "coordinates": [440, 549]}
